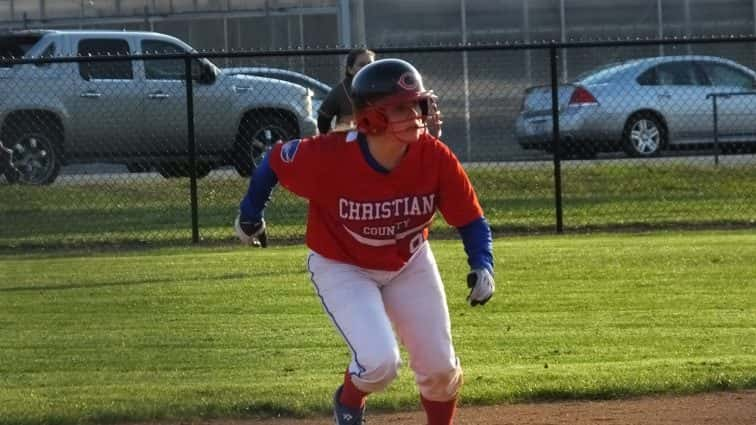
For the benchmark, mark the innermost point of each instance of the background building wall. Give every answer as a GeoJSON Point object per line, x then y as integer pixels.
{"type": "Point", "coordinates": [205, 24]}
{"type": "Point", "coordinates": [276, 24]}
{"type": "Point", "coordinates": [489, 83]}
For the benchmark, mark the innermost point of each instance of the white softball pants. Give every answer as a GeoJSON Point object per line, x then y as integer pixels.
{"type": "Point", "coordinates": [363, 304]}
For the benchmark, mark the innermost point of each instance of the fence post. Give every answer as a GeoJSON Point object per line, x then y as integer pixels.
{"type": "Point", "coordinates": [191, 146]}
{"type": "Point", "coordinates": [555, 142]}
{"type": "Point", "coordinates": [716, 128]}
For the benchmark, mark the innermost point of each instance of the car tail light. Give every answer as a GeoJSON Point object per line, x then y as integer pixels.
{"type": "Point", "coordinates": [581, 96]}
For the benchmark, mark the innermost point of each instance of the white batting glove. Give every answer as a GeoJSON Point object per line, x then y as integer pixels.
{"type": "Point", "coordinates": [251, 233]}
{"type": "Point", "coordinates": [482, 286]}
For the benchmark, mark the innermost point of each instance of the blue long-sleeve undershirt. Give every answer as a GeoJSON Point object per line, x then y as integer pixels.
{"type": "Point", "coordinates": [261, 185]}
{"type": "Point", "coordinates": [478, 242]}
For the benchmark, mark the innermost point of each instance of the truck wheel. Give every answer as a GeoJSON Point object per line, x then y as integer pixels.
{"type": "Point", "coordinates": [257, 134]}
{"type": "Point", "coordinates": [36, 153]}
{"type": "Point", "coordinates": [137, 167]}
{"type": "Point", "coordinates": [171, 170]}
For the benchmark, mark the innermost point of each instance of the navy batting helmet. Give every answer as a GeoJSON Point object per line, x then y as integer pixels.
{"type": "Point", "coordinates": [387, 82]}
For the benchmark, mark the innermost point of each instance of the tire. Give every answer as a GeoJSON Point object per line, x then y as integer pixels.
{"type": "Point", "coordinates": [576, 150]}
{"type": "Point", "coordinates": [36, 152]}
{"type": "Point", "coordinates": [171, 170]}
{"type": "Point", "coordinates": [644, 136]}
{"type": "Point", "coordinates": [137, 167]}
{"type": "Point", "coordinates": [257, 134]}
{"type": "Point", "coordinates": [12, 176]}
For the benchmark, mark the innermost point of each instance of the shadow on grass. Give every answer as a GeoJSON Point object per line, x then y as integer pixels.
{"type": "Point", "coordinates": [550, 395]}
{"type": "Point", "coordinates": [171, 279]}
{"type": "Point", "coordinates": [57, 249]}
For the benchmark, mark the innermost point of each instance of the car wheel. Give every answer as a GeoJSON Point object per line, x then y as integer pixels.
{"type": "Point", "coordinates": [257, 134]}
{"type": "Point", "coordinates": [644, 135]}
{"type": "Point", "coordinates": [36, 156]}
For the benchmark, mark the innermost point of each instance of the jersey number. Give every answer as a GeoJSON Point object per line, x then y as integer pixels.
{"type": "Point", "coordinates": [416, 242]}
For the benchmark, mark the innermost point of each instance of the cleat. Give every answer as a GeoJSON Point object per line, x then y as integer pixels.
{"type": "Point", "coordinates": [344, 415]}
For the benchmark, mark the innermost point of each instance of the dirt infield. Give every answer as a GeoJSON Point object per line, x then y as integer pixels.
{"type": "Point", "coordinates": [724, 408]}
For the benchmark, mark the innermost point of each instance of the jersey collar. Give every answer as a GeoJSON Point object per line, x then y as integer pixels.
{"type": "Point", "coordinates": [362, 140]}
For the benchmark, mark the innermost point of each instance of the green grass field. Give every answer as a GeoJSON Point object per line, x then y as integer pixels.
{"type": "Point", "coordinates": [518, 198]}
{"type": "Point", "coordinates": [179, 333]}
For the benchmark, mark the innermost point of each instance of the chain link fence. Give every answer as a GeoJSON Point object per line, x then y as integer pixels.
{"type": "Point", "coordinates": [132, 138]}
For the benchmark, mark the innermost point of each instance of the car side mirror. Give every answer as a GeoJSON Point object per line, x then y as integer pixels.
{"type": "Point", "coordinates": [202, 73]}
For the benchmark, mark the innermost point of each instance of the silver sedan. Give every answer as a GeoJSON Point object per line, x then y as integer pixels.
{"type": "Point", "coordinates": [644, 106]}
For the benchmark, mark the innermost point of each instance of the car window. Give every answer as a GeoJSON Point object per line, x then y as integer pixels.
{"type": "Point", "coordinates": [648, 78]}
{"type": "Point", "coordinates": [683, 73]}
{"type": "Point", "coordinates": [109, 70]}
{"type": "Point", "coordinates": [725, 75]}
{"type": "Point", "coordinates": [602, 73]}
{"type": "Point", "coordinates": [49, 52]}
{"type": "Point", "coordinates": [15, 47]}
{"type": "Point", "coordinates": [162, 69]}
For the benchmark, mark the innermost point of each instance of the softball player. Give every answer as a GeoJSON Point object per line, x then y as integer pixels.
{"type": "Point", "coordinates": [338, 103]}
{"type": "Point", "coordinates": [372, 196]}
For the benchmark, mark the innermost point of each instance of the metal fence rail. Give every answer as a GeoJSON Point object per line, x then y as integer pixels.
{"type": "Point", "coordinates": [157, 148]}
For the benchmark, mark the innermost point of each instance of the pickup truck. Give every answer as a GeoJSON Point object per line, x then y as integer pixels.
{"type": "Point", "coordinates": [134, 112]}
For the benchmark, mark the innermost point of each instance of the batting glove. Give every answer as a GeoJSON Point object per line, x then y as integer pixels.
{"type": "Point", "coordinates": [12, 175]}
{"type": "Point", "coordinates": [251, 233]}
{"type": "Point", "coordinates": [482, 286]}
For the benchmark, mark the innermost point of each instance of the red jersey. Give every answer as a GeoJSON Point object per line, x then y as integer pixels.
{"type": "Point", "coordinates": [361, 215]}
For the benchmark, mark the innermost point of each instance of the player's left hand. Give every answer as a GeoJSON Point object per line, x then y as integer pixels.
{"type": "Point", "coordinates": [251, 233]}
{"type": "Point", "coordinates": [482, 286]}
{"type": "Point", "coordinates": [12, 174]}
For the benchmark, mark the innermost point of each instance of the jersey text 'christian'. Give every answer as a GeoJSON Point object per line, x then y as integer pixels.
{"type": "Point", "coordinates": [401, 207]}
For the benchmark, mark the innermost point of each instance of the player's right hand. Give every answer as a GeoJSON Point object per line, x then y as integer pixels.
{"type": "Point", "coordinates": [251, 233]}
{"type": "Point", "coordinates": [482, 286]}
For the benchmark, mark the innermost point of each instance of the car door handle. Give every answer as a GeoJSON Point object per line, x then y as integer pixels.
{"type": "Point", "coordinates": [158, 95]}
{"type": "Point", "coordinates": [664, 96]}
{"type": "Point", "coordinates": [242, 88]}
{"type": "Point", "coordinates": [91, 95]}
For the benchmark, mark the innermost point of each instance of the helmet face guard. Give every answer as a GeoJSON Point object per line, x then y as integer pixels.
{"type": "Point", "coordinates": [386, 83]}
{"type": "Point", "coordinates": [373, 119]}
